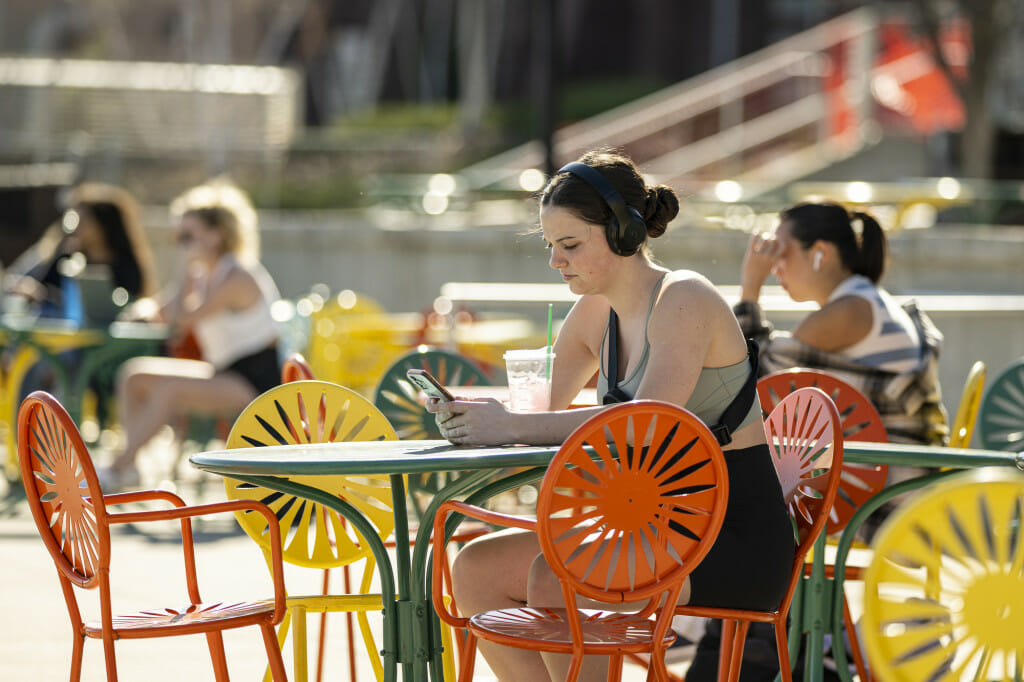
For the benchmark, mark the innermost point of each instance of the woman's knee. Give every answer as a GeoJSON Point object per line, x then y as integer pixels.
{"type": "Point", "coordinates": [492, 570]}
{"type": "Point", "coordinates": [469, 571]}
{"type": "Point", "coordinates": [543, 586]}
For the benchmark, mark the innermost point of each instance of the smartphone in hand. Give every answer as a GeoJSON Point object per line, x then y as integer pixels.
{"type": "Point", "coordinates": [426, 382]}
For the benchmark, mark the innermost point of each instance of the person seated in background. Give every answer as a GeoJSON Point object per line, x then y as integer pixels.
{"type": "Point", "coordinates": [100, 236]}
{"type": "Point", "coordinates": [652, 334]}
{"type": "Point", "coordinates": [824, 253]}
{"type": "Point", "coordinates": [219, 305]}
{"type": "Point", "coordinates": [101, 229]}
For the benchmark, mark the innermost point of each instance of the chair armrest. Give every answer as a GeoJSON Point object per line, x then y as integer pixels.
{"type": "Point", "coordinates": [185, 514]}
{"type": "Point", "coordinates": [144, 496]}
{"type": "Point", "coordinates": [441, 591]}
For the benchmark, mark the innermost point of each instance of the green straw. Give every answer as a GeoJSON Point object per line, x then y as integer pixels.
{"type": "Point", "coordinates": [550, 311]}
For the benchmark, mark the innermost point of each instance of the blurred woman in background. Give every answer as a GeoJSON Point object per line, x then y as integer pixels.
{"type": "Point", "coordinates": [220, 306]}
{"type": "Point", "coordinates": [101, 229]}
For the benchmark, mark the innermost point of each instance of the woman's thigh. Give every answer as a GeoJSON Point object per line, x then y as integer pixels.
{"type": "Point", "coordinates": [497, 561]}
{"type": "Point", "coordinates": [172, 367]}
{"type": "Point", "coordinates": [190, 387]}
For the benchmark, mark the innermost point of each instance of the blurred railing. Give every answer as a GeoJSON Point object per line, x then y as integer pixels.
{"type": "Point", "coordinates": [774, 115]}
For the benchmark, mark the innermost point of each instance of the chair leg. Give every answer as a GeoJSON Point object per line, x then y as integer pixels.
{"type": "Point", "coordinates": [109, 659]}
{"type": "Point", "coordinates": [448, 653]}
{"type": "Point", "coordinates": [282, 636]}
{"type": "Point", "coordinates": [614, 667]}
{"type": "Point", "coordinates": [782, 644]}
{"type": "Point", "coordinates": [274, 659]}
{"type": "Point", "coordinates": [220, 661]}
{"type": "Point", "coordinates": [349, 622]}
{"type": "Point", "coordinates": [468, 659]}
{"type": "Point", "coordinates": [321, 646]}
{"type": "Point", "coordinates": [77, 648]}
{"type": "Point", "coordinates": [300, 659]}
{"type": "Point", "coordinates": [858, 655]}
{"type": "Point", "coordinates": [725, 649]}
{"type": "Point", "coordinates": [738, 638]}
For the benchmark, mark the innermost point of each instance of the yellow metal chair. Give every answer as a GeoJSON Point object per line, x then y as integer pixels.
{"type": "Point", "coordinates": [967, 412]}
{"type": "Point", "coordinates": [314, 536]}
{"type": "Point", "coordinates": [944, 590]}
{"type": "Point", "coordinates": [1001, 415]}
{"type": "Point", "coordinates": [353, 340]}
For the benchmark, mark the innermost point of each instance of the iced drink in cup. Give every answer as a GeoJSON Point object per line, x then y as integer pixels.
{"type": "Point", "coordinates": [529, 379]}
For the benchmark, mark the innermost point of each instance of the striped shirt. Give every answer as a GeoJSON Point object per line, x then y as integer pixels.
{"type": "Point", "coordinates": [909, 401]}
{"type": "Point", "coordinates": [893, 344]}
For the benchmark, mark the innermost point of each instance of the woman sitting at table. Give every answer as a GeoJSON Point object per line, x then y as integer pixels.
{"type": "Point", "coordinates": [821, 252]}
{"type": "Point", "coordinates": [824, 253]}
{"type": "Point", "coordinates": [221, 307]}
{"type": "Point", "coordinates": [651, 334]}
{"type": "Point", "coordinates": [100, 229]}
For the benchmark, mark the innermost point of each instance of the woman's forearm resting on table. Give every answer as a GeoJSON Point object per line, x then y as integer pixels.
{"type": "Point", "coordinates": [488, 422]}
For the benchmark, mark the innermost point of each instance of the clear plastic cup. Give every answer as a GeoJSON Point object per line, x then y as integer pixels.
{"type": "Point", "coordinates": [529, 379]}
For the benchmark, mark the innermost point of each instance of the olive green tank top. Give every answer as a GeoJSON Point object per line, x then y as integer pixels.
{"type": "Point", "coordinates": [716, 386]}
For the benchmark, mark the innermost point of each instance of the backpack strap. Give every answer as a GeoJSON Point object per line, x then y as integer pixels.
{"type": "Point", "coordinates": [740, 406]}
{"type": "Point", "coordinates": [614, 394]}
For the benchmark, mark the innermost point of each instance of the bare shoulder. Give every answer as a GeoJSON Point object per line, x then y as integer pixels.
{"type": "Point", "coordinates": [692, 290]}
{"type": "Point", "coordinates": [239, 287]}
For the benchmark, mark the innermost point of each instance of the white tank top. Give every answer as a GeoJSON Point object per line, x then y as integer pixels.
{"type": "Point", "coordinates": [893, 343]}
{"type": "Point", "coordinates": [229, 336]}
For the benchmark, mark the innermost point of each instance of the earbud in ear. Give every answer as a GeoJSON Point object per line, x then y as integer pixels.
{"type": "Point", "coordinates": [816, 263]}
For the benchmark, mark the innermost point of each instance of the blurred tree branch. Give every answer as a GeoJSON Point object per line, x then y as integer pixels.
{"type": "Point", "coordinates": [989, 29]}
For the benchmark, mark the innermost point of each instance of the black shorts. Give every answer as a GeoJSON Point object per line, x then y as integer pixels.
{"type": "Point", "coordinates": [261, 369]}
{"type": "Point", "coordinates": [750, 564]}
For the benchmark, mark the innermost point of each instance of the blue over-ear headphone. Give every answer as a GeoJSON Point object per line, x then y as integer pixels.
{"type": "Point", "coordinates": [626, 231]}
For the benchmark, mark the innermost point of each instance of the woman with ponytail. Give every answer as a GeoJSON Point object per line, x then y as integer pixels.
{"type": "Point", "coordinates": [824, 253]}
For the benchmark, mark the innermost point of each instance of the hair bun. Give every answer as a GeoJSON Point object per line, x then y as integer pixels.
{"type": "Point", "coordinates": [661, 206]}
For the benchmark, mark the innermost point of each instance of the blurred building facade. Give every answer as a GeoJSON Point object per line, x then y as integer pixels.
{"type": "Point", "coordinates": [355, 53]}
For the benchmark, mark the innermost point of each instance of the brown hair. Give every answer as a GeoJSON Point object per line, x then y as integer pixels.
{"type": "Point", "coordinates": [857, 235]}
{"type": "Point", "coordinates": [658, 205]}
{"type": "Point", "coordinates": [221, 205]}
{"type": "Point", "coordinates": [117, 214]}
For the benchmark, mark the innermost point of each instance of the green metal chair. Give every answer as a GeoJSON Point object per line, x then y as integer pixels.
{"type": "Point", "coordinates": [1001, 417]}
{"type": "Point", "coordinates": [398, 398]}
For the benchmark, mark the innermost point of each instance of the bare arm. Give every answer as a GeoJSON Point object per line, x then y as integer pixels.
{"type": "Point", "coordinates": [576, 353]}
{"type": "Point", "coordinates": [237, 292]}
{"type": "Point", "coordinates": [837, 325]}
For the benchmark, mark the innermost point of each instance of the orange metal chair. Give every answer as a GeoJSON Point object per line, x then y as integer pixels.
{"type": "Point", "coordinates": [295, 368]}
{"type": "Point", "coordinates": [805, 437]}
{"type": "Point", "coordinates": [617, 523]}
{"type": "Point", "coordinates": [858, 482]}
{"type": "Point", "coordinates": [71, 513]}
{"type": "Point", "coordinates": [860, 422]}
